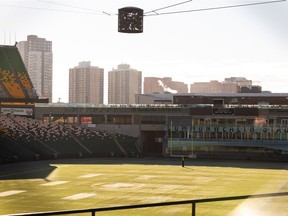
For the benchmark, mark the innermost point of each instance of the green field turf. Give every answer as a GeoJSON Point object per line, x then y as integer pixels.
{"type": "Point", "coordinates": [93, 183]}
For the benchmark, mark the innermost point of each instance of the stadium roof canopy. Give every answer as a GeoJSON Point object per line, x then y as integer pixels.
{"type": "Point", "coordinates": [15, 83]}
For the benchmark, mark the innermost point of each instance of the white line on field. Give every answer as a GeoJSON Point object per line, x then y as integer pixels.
{"type": "Point", "coordinates": [89, 175]}
{"type": "Point", "coordinates": [54, 183]}
{"type": "Point", "coordinates": [123, 186]}
{"type": "Point", "coordinates": [79, 196]}
{"type": "Point", "coordinates": [145, 177]}
{"type": "Point", "coordinates": [11, 192]}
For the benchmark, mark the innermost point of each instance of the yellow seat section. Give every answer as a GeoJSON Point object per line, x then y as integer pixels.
{"type": "Point", "coordinates": [18, 65]}
{"type": "Point", "coordinates": [24, 80]}
{"type": "Point", "coordinates": [14, 79]}
{"type": "Point", "coordinates": [8, 79]}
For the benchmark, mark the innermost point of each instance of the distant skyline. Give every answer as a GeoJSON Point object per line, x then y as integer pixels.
{"type": "Point", "coordinates": [249, 42]}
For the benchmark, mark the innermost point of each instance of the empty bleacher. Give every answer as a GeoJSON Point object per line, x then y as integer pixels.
{"type": "Point", "coordinates": [54, 136]}
{"type": "Point", "coordinates": [21, 135]}
{"type": "Point", "coordinates": [99, 142]}
{"type": "Point", "coordinates": [128, 143]}
{"type": "Point", "coordinates": [26, 139]}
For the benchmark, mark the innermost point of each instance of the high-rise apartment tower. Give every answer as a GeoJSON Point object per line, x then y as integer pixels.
{"type": "Point", "coordinates": [38, 59]}
{"type": "Point", "coordinates": [86, 84]}
{"type": "Point", "coordinates": [123, 84]}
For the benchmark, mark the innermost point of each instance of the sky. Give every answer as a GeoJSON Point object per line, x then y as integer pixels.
{"type": "Point", "coordinates": [199, 46]}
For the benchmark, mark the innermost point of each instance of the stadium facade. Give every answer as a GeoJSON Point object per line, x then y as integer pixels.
{"type": "Point", "coordinates": [256, 128]}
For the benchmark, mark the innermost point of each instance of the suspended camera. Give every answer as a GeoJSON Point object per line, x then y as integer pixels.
{"type": "Point", "coordinates": [130, 20]}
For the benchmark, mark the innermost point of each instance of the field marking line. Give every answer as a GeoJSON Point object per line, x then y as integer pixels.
{"type": "Point", "coordinates": [145, 177]}
{"type": "Point", "coordinates": [79, 196]}
{"type": "Point", "coordinates": [11, 192]}
{"type": "Point", "coordinates": [90, 175]}
{"type": "Point", "coordinates": [122, 186]}
{"type": "Point", "coordinates": [54, 183]}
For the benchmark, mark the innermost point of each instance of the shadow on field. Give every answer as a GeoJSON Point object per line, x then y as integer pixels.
{"type": "Point", "coordinates": [42, 169]}
{"type": "Point", "coordinates": [26, 170]}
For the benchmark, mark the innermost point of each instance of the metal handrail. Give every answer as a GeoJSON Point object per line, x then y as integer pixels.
{"type": "Point", "coordinates": [115, 208]}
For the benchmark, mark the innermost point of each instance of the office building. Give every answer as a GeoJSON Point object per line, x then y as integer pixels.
{"type": "Point", "coordinates": [244, 85]}
{"type": "Point", "coordinates": [123, 84]}
{"type": "Point", "coordinates": [37, 56]}
{"type": "Point", "coordinates": [229, 85]}
{"type": "Point", "coordinates": [213, 86]}
{"type": "Point", "coordinates": [239, 81]}
{"type": "Point", "coordinates": [86, 84]}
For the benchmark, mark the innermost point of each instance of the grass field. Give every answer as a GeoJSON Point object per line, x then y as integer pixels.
{"type": "Point", "coordinates": [92, 183]}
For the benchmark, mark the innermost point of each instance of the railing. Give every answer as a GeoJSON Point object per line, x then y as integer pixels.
{"type": "Point", "coordinates": [93, 211]}
{"type": "Point", "coordinates": [90, 105]}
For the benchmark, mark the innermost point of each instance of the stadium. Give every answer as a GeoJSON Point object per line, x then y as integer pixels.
{"type": "Point", "coordinates": [247, 127]}
{"type": "Point", "coordinates": [243, 125]}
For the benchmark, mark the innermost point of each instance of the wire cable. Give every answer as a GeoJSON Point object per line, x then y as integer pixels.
{"type": "Point", "coordinates": [57, 10]}
{"type": "Point", "coordinates": [149, 13]}
{"type": "Point", "coordinates": [71, 6]}
{"type": "Point", "coordinates": [154, 11]}
{"type": "Point", "coordinates": [215, 8]}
